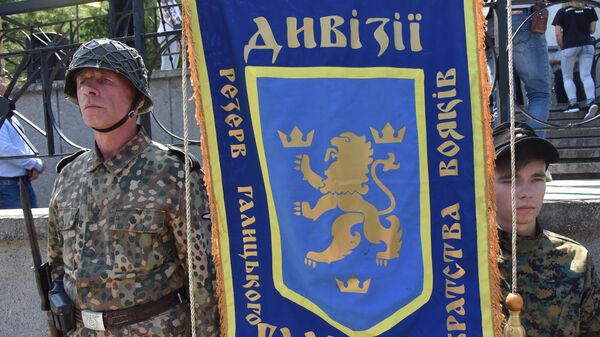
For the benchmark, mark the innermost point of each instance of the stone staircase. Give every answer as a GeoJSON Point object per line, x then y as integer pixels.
{"type": "Point", "coordinates": [578, 145]}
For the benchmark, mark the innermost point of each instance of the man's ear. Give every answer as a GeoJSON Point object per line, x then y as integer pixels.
{"type": "Point", "coordinates": [140, 104]}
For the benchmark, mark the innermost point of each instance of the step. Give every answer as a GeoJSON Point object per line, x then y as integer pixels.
{"type": "Point", "coordinates": [560, 116]}
{"type": "Point", "coordinates": [579, 154]}
{"type": "Point", "coordinates": [557, 116]}
{"type": "Point", "coordinates": [578, 170]}
{"type": "Point", "coordinates": [577, 141]}
{"type": "Point", "coordinates": [580, 142]}
{"type": "Point", "coordinates": [573, 132]}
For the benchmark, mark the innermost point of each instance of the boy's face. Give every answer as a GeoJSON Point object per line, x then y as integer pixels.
{"type": "Point", "coordinates": [530, 183]}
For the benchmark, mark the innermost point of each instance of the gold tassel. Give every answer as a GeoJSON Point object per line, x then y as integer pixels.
{"type": "Point", "coordinates": [513, 327]}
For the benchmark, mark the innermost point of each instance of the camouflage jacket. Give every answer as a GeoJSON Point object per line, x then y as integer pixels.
{"type": "Point", "coordinates": [556, 278]}
{"type": "Point", "coordinates": [117, 231]}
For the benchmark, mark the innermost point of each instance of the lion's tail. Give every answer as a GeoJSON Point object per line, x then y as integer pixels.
{"type": "Point", "coordinates": [388, 164]}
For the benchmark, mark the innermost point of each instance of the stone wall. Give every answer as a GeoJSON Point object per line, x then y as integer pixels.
{"type": "Point", "coordinates": [20, 301]}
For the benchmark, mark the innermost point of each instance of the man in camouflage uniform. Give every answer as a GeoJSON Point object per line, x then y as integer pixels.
{"type": "Point", "coordinates": [556, 277]}
{"type": "Point", "coordinates": [117, 227]}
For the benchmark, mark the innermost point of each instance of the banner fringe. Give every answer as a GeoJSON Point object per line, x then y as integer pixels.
{"type": "Point", "coordinates": [486, 88]}
{"type": "Point", "coordinates": [193, 64]}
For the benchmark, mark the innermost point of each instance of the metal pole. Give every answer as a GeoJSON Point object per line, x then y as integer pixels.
{"type": "Point", "coordinates": [47, 96]}
{"type": "Point", "coordinates": [139, 31]}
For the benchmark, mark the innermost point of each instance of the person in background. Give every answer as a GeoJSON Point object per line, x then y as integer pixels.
{"type": "Point", "coordinates": [12, 144]}
{"type": "Point", "coordinates": [530, 61]}
{"type": "Point", "coordinates": [170, 19]}
{"type": "Point", "coordinates": [556, 276]}
{"type": "Point", "coordinates": [530, 57]}
{"type": "Point", "coordinates": [573, 24]}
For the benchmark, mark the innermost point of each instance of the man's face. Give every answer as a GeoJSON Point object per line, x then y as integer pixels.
{"type": "Point", "coordinates": [530, 181]}
{"type": "Point", "coordinates": [104, 96]}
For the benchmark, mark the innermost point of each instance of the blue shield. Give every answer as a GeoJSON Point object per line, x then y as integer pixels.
{"type": "Point", "coordinates": [344, 162]}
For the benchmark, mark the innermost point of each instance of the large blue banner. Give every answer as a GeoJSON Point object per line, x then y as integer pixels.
{"type": "Point", "coordinates": [345, 160]}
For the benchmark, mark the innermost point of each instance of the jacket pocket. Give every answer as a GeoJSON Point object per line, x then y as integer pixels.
{"type": "Point", "coordinates": [67, 225]}
{"type": "Point", "coordinates": [137, 239]}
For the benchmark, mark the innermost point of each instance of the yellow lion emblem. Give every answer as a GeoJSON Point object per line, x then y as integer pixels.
{"type": "Point", "coordinates": [344, 187]}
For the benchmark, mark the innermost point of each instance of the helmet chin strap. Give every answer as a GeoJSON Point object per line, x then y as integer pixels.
{"type": "Point", "coordinates": [122, 121]}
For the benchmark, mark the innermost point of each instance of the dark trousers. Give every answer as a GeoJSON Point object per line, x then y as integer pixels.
{"type": "Point", "coordinates": [9, 193]}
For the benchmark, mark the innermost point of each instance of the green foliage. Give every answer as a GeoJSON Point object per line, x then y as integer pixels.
{"type": "Point", "coordinates": [96, 24]}
{"type": "Point", "coordinates": [76, 24]}
{"type": "Point", "coordinates": [92, 21]}
{"type": "Point", "coordinates": [73, 23]}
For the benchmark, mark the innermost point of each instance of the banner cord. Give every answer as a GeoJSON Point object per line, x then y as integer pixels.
{"type": "Point", "coordinates": [188, 202]}
{"type": "Point", "coordinates": [511, 94]}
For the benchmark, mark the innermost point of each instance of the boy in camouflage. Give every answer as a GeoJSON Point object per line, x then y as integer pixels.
{"type": "Point", "coordinates": [556, 277]}
{"type": "Point", "coordinates": [117, 226]}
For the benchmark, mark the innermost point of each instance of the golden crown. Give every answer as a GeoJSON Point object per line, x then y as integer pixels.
{"type": "Point", "coordinates": [353, 285]}
{"type": "Point", "coordinates": [388, 134]}
{"type": "Point", "coordinates": [295, 139]}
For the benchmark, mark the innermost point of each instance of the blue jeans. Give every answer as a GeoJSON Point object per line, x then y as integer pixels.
{"type": "Point", "coordinates": [491, 68]}
{"type": "Point", "coordinates": [9, 193]}
{"type": "Point", "coordinates": [530, 60]}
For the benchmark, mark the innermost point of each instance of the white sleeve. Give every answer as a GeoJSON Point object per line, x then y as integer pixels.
{"type": "Point", "coordinates": [11, 144]}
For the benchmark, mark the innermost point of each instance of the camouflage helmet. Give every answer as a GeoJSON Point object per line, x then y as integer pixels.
{"type": "Point", "coordinates": [109, 55]}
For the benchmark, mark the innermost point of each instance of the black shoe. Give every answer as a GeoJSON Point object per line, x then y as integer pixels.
{"type": "Point", "coordinates": [572, 108]}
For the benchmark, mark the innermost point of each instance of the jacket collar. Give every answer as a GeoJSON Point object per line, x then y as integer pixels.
{"type": "Point", "coordinates": [124, 156]}
{"type": "Point", "coordinates": [524, 243]}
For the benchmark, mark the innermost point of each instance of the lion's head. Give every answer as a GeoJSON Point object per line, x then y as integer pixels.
{"type": "Point", "coordinates": [349, 171]}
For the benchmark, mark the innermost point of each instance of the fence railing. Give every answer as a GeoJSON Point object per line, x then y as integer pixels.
{"type": "Point", "coordinates": [38, 38]}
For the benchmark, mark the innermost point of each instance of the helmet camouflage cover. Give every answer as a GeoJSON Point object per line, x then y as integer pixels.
{"type": "Point", "coordinates": [109, 55]}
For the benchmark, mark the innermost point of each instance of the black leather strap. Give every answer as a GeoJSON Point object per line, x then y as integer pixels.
{"type": "Point", "coordinates": [122, 121]}
{"type": "Point", "coordinates": [139, 313]}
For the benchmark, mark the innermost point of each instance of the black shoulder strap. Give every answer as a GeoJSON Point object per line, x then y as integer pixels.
{"type": "Point", "coordinates": [66, 160]}
{"type": "Point", "coordinates": [196, 166]}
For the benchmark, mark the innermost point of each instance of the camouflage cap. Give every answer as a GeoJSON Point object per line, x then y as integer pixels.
{"type": "Point", "coordinates": [109, 55]}
{"type": "Point", "coordinates": [524, 134]}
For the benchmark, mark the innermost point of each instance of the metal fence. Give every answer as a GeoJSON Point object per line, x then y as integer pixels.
{"type": "Point", "coordinates": [38, 38]}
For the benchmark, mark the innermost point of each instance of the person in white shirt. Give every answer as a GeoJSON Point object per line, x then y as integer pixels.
{"type": "Point", "coordinates": [170, 19]}
{"type": "Point", "coordinates": [12, 145]}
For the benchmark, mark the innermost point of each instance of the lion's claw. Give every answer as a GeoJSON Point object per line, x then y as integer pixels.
{"type": "Point", "coordinates": [382, 262]}
{"type": "Point", "coordinates": [297, 210]}
{"type": "Point", "coordinates": [310, 263]}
